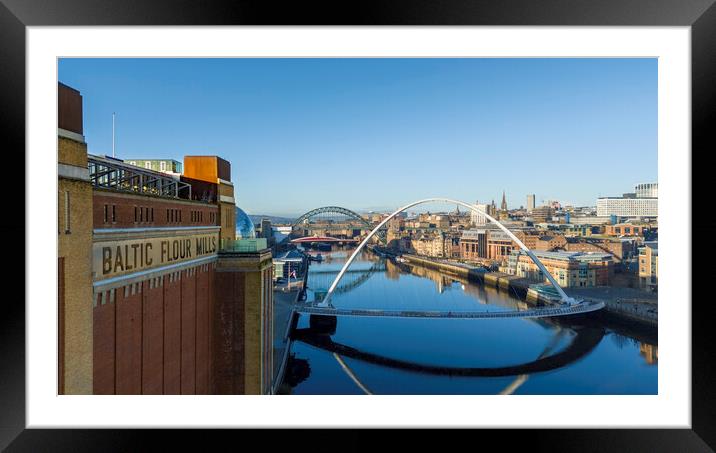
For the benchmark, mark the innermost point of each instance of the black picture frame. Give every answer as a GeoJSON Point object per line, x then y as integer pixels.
{"type": "Point", "coordinates": [16, 15]}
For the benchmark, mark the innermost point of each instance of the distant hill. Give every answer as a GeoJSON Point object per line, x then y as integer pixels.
{"type": "Point", "coordinates": [256, 218]}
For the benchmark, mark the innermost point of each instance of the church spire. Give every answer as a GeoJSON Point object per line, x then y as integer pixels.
{"type": "Point", "coordinates": [503, 206]}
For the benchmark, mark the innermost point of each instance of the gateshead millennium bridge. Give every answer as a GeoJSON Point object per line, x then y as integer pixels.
{"type": "Point", "coordinates": [566, 306]}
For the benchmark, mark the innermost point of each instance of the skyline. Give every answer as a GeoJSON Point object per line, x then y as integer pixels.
{"type": "Point", "coordinates": [303, 133]}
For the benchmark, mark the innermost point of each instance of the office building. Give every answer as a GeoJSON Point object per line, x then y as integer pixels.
{"type": "Point", "coordinates": [648, 190]}
{"type": "Point", "coordinates": [479, 219]}
{"type": "Point", "coordinates": [530, 202]}
{"type": "Point", "coordinates": [626, 229]}
{"type": "Point", "coordinates": [473, 244]}
{"type": "Point", "coordinates": [627, 207]}
{"type": "Point", "coordinates": [542, 214]}
{"type": "Point", "coordinates": [569, 269]}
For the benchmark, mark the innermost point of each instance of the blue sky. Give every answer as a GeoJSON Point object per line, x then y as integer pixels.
{"type": "Point", "coordinates": [378, 133]}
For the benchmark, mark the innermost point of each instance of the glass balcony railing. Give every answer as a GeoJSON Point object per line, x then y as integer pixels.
{"type": "Point", "coordinates": [242, 245]}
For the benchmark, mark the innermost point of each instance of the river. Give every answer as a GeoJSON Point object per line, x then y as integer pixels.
{"type": "Point", "coordinates": [358, 355]}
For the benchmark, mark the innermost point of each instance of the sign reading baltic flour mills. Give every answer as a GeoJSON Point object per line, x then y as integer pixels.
{"type": "Point", "coordinates": [122, 254]}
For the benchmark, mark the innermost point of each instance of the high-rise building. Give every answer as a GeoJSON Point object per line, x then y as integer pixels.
{"type": "Point", "coordinates": [647, 190]}
{"type": "Point", "coordinates": [530, 202]}
{"type": "Point", "coordinates": [477, 218]}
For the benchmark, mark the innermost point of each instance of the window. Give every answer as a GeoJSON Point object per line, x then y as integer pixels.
{"type": "Point", "coordinates": [140, 214]}
{"type": "Point", "coordinates": [135, 214]}
{"type": "Point", "coordinates": [114, 213]}
{"type": "Point", "coordinates": [67, 212]}
{"type": "Point", "coordinates": [167, 215]}
{"type": "Point", "coordinates": [163, 166]}
{"type": "Point", "coordinates": [105, 213]}
{"type": "Point", "coordinates": [132, 162]}
{"type": "Point", "coordinates": [146, 216]}
{"type": "Point", "coordinates": [152, 214]}
{"type": "Point", "coordinates": [148, 165]}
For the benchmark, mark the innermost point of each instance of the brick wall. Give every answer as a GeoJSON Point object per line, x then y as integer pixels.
{"type": "Point", "coordinates": [122, 210]}
{"type": "Point", "coordinates": [152, 337]}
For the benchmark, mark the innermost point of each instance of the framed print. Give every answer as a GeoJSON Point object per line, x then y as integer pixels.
{"type": "Point", "coordinates": [279, 210]}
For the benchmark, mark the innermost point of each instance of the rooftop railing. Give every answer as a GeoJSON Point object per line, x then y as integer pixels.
{"type": "Point", "coordinates": [114, 174]}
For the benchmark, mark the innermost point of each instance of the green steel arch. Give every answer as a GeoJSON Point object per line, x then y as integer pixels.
{"type": "Point", "coordinates": [333, 210]}
{"type": "Point", "coordinates": [338, 210]}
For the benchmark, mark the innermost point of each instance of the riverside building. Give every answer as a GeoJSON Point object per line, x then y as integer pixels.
{"type": "Point", "coordinates": [649, 266]}
{"type": "Point", "coordinates": [151, 289]}
{"type": "Point", "coordinates": [569, 269]}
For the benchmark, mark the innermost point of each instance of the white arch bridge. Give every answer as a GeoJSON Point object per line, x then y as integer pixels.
{"type": "Point", "coordinates": [566, 306]}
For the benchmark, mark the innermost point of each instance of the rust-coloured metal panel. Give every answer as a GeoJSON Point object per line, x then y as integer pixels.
{"type": "Point", "coordinates": [207, 168]}
{"type": "Point", "coordinates": [203, 168]}
{"type": "Point", "coordinates": [128, 348]}
{"type": "Point", "coordinates": [69, 109]}
{"type": "Point", "coordinates": [103, 340]}
{"type": "Point", "coordinates": [172, 336]}
{"type": "Point", "coordinates": [188, 332]}
{"type": "Point", "coordinates": [153, 338]}
{"type": "Point", "coordinates": [202, 331]}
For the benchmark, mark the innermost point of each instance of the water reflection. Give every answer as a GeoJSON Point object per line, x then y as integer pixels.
{"type": "Point", "coordinates": [390, 356]}
{"type": "Point", "coordinates": [650, 353]}
{"type": "Point", "coordinates": [583, 341]}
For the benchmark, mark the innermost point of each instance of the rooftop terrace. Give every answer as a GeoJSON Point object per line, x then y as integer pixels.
{"type": "Point", "coordinates": [114, 174]}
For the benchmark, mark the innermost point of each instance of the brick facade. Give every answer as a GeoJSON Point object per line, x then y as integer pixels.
{"type": "Point", "coordinates": [153, 336]}
{"type": "Point", "coordinates": [121, 210]}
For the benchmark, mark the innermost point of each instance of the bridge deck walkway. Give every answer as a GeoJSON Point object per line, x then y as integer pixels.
{"type": "Point", "coordinates": [583, 307]}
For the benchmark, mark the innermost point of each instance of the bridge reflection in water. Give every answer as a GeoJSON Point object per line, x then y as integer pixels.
{"type": "Point", "coordinates": [584, 340]}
